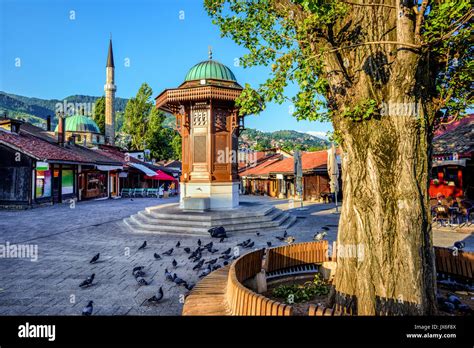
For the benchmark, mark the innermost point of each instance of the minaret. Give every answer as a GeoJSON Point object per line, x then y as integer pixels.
{"type": "Point", "coordinates": [110, 89]}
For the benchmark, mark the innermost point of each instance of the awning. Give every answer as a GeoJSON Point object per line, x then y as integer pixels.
{"type": "Point", "coordinates": [142, 168]}
{"type": "Point", "coordinates": [459, 162]}
{"type": "Point", "coordinates": [108, 168]}
{"type": "Point", "coordinates": [160, 175]}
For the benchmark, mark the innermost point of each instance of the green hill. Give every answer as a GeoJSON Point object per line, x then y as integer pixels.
{"type": "Point", "coordinates": [35, 110]}
{"type": "Point", "coordinates": [285, 139]}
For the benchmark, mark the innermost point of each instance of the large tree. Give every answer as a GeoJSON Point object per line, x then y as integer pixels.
{"type": "Point", "coordinates": [144, 125]}
{"type": "Point", "coordinates": [386, 73]}
{"type": "Point", "coordinates": [99, 113]}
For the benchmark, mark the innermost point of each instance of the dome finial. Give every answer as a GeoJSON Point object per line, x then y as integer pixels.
{"type": "Point", "coordinates": [210, 52]}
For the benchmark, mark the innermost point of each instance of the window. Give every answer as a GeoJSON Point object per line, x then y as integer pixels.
{"type": "Point", "coordinates": [43, 183]}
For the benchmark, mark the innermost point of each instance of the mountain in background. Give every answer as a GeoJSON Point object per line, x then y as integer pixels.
{"type": "Point", "coordinates": [35, 111]}
{"type": "Point", "coordinates": [285, 139]}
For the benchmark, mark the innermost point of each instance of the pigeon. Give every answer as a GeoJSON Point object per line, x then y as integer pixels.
{"type": "Point", "coordinates": [88, 282]}
{"type": "Point", "coordinates": [141, 281]}
{"type": "Point", "coordinates": [281, 239]}
{"type": "Point", "coordinates": [199, 242]}
{"type": "Point", "coordinates": [459, 245]}
{"type": "Point", "coordinates": [453, 299]}
{"type": "Point", "coordinates": [95, 258]}
{"type": "Point", "coordinates": [208, 245]}
{"type": "Point", "coordinates": [285, 234]}
{"type": "Point", "coordinates": [138, 268]}
{"type": "Point", "coordinates": [244, 243]}
{"type": "Point", "coordinates": [216, 267]}
{"type": "Point", "coordinates": [249, 245]}
{"type": "Point", "coordinates": [325, 228]}
{"type": "Point", "coordinates": [174, 263]}
{"type": "Point", "coordinates": [156, 298]}
{"type": "Point", "coordinates": [226, 256]}
{"type": "Point", "coordinates": [464, 308]}
{"type": "Point", "coordinates": [221, 240]}
{"type": "Point", "coordinates": [290, 240]}
{"type": "Point", "coordinates": [139, 274]}
{"type": "Point", "coordinates": [205, 273]}
{"type": "Point", "coordinates": [269, 244]}
{"type": "Point", "coordinates": [189, 287]}
{"type": "Point", "coordinates": [211, 262]}
{"type": "Point", "coordinates": [447, 307]}
{"type": "Point", "coordinates": [198, 265]}
{"type": "Point", "coordinates": [168, 275]}
{"type": "Point", "coordinates": [87, 310]}
{"type": "Point", "coordinates": [178, 280]}
{"type": "Point", "coordinates": [227, 252]}
{"type": "Point", "coordinates": [225, 263]}
{"type": "Point", "coordinates": [143, 246]}
{"type": "Point", "coordinates": [319, 236]}
{"type": "Point", "coordinates": [197, 258]}
{"type": "Point", "coordinates": [157, 256]}
{"type": "Point", "coordinates": [168, 252]}
{"type": "Point", "coordinates": [187, 250]}
{"type": "Point", "coordinates": [213, 251]}
{"type": "Point", "coordinates": [178, 244]}
{"type": "Point", "coordinates": [258, 233]}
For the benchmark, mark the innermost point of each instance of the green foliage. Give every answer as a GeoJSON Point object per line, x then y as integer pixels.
{"type": "Point", "coordinates": [137, 115]}
{"type": "Point", "coordinates": [363, 110]}
{"type": "Point", "coordinates": [292, 38]}
{"type": "Point", "coordinates": [302, 293]}
{"type": "Point", "coordinates": [448, 32]}
{"type": "Point", "coordinates": [176, 145]}
{"type": "Point", "coordinates": [145, 126]}
{"type": "Point", "coordinates": [99, 114]}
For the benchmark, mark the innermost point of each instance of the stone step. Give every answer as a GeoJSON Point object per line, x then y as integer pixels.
{"type": "Point", "coordinates": [168, 219]}
{"type": "Point", "coordinates": [285, 222]}
{"type": "Point", "coordinates": [136, 228]}
{"type": "Point", "coordinates": [147, 218]}
{"type": "Point", "coordinates": [162, 213]}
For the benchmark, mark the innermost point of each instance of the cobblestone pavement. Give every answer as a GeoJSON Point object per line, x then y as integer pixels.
{"type": "Point", "coordinates": [67, 238]}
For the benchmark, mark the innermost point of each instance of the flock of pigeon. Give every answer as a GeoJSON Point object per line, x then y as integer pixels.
{"type": "Point", "coordinates": [196, 255]}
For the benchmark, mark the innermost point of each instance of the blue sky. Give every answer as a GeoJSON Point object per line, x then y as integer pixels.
{"type": "Point", "coordinates": [62, 49]}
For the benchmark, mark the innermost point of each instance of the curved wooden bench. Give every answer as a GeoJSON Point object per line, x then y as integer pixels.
{"type": "Point", "coordinates": [243, 301]}
{"type": "Point", "coordinates": [208, 296]}
{"type": "Point", "coordinates": [223, 292]}
{"type": "Point", "coordinates": [459, 266]}
{"type": "Point", "coordinates": [319, 311]}
{"type": "Point", "coordinates": [296, 254]}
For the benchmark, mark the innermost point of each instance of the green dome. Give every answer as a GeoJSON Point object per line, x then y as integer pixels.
{"type": "Point", "coordinates": [80, 123]}
{"type": "Point", "coordinates": [210, 69]}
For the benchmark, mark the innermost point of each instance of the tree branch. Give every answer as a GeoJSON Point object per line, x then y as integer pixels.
{"type": "Point", "coordinates": [419, 19]}
{"type": "Point", "coordinates": [373, 5]}
{"type": "Point", "coordinates": [371, 43]}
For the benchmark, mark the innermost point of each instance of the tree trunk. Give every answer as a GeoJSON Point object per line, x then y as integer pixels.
{"type": "Point", "coordinates": [385, 251]}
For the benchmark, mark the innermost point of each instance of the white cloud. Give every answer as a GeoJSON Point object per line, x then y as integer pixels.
{"type": "Point", "coordinates": [319, 134]}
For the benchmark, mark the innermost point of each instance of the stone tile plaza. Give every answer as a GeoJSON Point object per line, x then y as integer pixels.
{"type": "Point", "coordinates": [169, 169]}
{"type": "Point", "coordinates": [49, 286]}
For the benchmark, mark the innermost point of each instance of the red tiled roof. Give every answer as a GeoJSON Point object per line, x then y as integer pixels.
{"type": "Point", "coordinates": [260, 168]}
{"type": "Point", "coordinates": [45, 149]}
{"type": "Point", "coordinates": [311, 161]}
{"type": "Point", "coordinates": [451, 126]}
{"type": "Point", "coordinates": [40, 149]}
